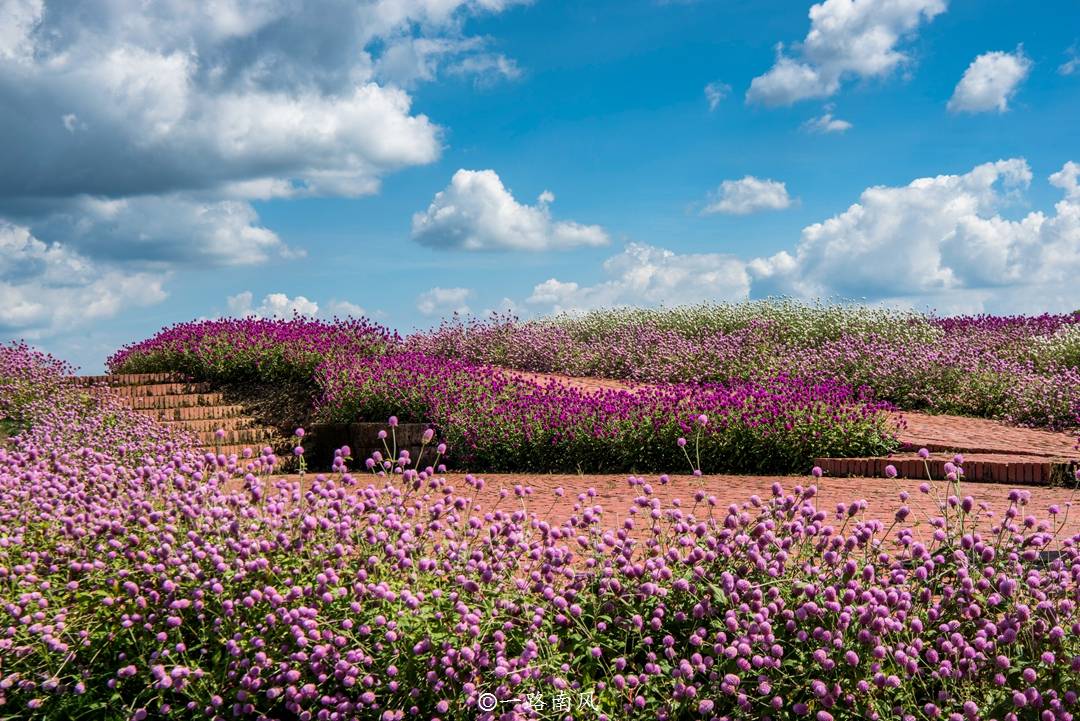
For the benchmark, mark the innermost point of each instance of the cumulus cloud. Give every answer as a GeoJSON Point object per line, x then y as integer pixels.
{"type": "Point", "coordinates": [990, 82]}
{"type": "Point", "coordinates": [748, 195]}
{"type": "Point", "coordinates": [716, 92]}
{"type": "Point", "coordinates": [645, 274]}
{"type": "Point", "coordinates": [280, 305]}
{"type": "Point", "coordinates": [477, 212]}
{"type": "Point", "coordinates": [847, 38]}
{"type": "Point", "coordinates": [826, 123]}
{"type": "Point", "coordinates": [166, 105]}
{"type": "Point", "coordinates": [938, 237]}
{"type": "Point", "coordinates": [173, 229]}
{"type": "Point", "coordinates": [273, 305]}
{"type": "Point", "coordinates": [344, 309]}
{"type": "Point", "coordinates": [940, 242]}
{"type": "Point", "coordinates": [444, 301]}
{"type": "Point", "coordinates": [47, 288]}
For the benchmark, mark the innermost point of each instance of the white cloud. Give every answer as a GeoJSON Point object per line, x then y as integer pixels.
{"type": "Point", "coordinates": [748, 195]}
{"type": "Point", "coordinates": [18, 18]}
{"type": "Point", "coordinates": [280, 305]}
{"type": "Point", "coordinates": [990, 82]}
{"type": "Point", "coordinates": [826, 123]}
{"type": "Point", "coordinates": [344, 309]}
{"type": "Point", "coordinates": [644, 274]}
{"type": "Point", "coordinates": [939, 242]}
{"type": "Point", "coordinates": [444, 301]}
{"type": "Point", "coordinates": [194, 105]}
{"type": "Point", "coordinates": [941, 237]}
{"type": "Point", "coordinates": [273, 305]}
{"type": "Point", "coordinates": [716, 92]}
{"type": "Point", "coordinates": [162, 229]}
{"type": "Point", "coordinates": [48, 288]}
{"type": "Point", "coordinates": [411, 60]}
{"type": "Point", "coordinates": [1072, 64]}
{"type": "Point", "coordinates": [476, 212]}
{"type": "Point", "coordinates": [847, 38]}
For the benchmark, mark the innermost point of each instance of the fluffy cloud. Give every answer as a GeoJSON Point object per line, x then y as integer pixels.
{"type": "Point", "coordinates": [941, 237]}
{"type": "Point", "coordinates": [476, 212]}
{"type": "Point", "coordinates": [716, 92]}
{"type": "Point", "coordinates": [847, 38]}
{"type": "Point", "coordinates": [274, 305]}
{"type": "Point", "coordinates": [650, 275]}
{"type": "Point", "coordinates": [990, 82]}
{"type": "Point", "coordinates": [176, 108]}
{"type": "Point", "coordinates": [826, 123]}
{"type": "Point", "coordinates": [748, 195]}
{"type": "Point", "coordinates": [444, 301]}
{"type": "Point", "coordinates": [161, 229]}
{"type": "Point", "coordinates": [47, 288]}
{"type": "Point", "coordinates": [280, 305]}
{"type": "Point", "coordinates": [938, 241]}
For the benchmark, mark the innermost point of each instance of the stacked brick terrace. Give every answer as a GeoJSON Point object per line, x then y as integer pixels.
{"type": "Point", "coordinates": [188, 406]}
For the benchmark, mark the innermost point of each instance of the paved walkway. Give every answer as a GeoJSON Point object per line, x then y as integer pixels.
{"type": "Point", "coordinates": [615, 495]}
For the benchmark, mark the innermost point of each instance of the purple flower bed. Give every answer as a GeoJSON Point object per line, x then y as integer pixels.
{"type": "Point", "coordinates": [495, 421]}
{"type": "Point", "coordinates": [1025, 370]}
{"type": "Point", "coordinates": [238, 349]}
{"type": "Point", "coordinates": [177, 585]}
{"type": "Point", "coordinates": [360, 372]}
{"type": "Point", "coordinates": [26, 376]}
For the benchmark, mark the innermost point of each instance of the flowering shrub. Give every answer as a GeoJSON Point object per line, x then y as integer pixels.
{"type": "Point", "coordinates": [26, 376]}
{"type": "Point", "coordinates": [1020, 369]}
{"type": "Point", "coordinates": [188, 585]}
{"type": "Point", "coordinates": [260, 349]}
{"type": "Point", "coordinates": [497, 421]}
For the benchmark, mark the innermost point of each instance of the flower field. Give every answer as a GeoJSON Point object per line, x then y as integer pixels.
{"type": "Point", "coordinates": [1023, 369]}
{"type": "Point", "coordinates": [140, 578]}
{"type": "Point", "coordinates": [361, 372]}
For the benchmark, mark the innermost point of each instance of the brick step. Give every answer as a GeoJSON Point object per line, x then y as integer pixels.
{"type": "Point", "coordinates": [180, 400]}
{"type": "Point", "coordinates": [129, 379]}
{"type": "Point", "coordinates": [265, 436]}
{"type": "Point", "coordinates": [209, 425]}
{"type": "Point", "coordinates": [238, 449]}
{"type": "Point", "coordinates": [195, 413]}
{"type": "Point", "coordinates": [160, 389]}
{"type": "Point", "coordinates": [985, 467]}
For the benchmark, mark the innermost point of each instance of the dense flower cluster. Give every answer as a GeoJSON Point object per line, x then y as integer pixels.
{"type": "Point", "coordinates": [500, 421]}
{"type": "Point", "coordinates": [182, 584]}
{"type": "Point", "coordinates": [235, 349]}
{"type": "Point", "coordinates": [1022, 369]}
{"type": "Point", "coordinates": [26, 375]}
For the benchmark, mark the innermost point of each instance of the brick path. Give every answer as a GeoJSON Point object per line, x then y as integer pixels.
{"type": "Point", "coordinates": [615, 495]}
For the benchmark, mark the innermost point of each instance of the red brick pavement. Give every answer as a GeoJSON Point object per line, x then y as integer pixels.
{"type": "Point", "coordinates": [615, 495]}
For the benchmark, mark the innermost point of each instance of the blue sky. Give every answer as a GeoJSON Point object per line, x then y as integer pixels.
{"type": "Point", "coordinates": [409, 158]}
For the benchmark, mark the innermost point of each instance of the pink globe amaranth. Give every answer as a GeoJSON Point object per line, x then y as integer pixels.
{"type": "Point", "coordinates": [890, 471]}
